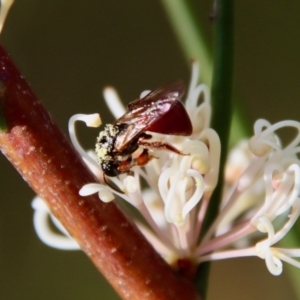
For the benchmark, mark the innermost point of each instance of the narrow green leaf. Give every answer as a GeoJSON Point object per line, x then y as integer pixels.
{"type": "Point", "coordinates": [222, 108]}
{"type": "Point", "coordinates": [190, 35]}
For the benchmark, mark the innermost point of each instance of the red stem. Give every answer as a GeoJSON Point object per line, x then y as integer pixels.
{"type": "Point", "coordinates": [55, 171]}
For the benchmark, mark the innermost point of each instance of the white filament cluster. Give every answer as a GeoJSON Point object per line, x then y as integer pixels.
{"type": "Point", "coordinates": [263, 195]}
{"type": "Point", "coordinates": [260, 201]}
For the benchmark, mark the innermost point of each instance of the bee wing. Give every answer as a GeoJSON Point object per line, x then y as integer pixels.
{"type": "Point", "coordinates": [172, 90]}
{"type": "Point", "coordinates": [138, 121]}
{"type": "Point", "coordinates": [142, 111]}
{"type": "Point", "coordinates": [146, 114]}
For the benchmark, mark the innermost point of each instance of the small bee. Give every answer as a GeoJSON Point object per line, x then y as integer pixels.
{"type": "Point", "coordinates": [160, 111]}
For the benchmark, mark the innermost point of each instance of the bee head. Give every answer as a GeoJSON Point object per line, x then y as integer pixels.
{"type": "Point", "coordinates": [110, 168]}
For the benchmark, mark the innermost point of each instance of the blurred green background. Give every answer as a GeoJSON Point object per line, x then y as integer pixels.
{"type": "Point", "coordinates": [69, 50]}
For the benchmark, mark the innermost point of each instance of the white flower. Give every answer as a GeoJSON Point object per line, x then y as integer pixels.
{"type": "Point", "coordinates": [262, 204]}
{"type": "Point", "coordinates": [260, 201]}
{"type": "Point", "coordinates": [176, 183]}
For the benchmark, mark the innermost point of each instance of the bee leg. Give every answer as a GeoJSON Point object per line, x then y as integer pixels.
{"type": "Point", "coordinates": [125, 166]}
{"type": "Point", "coordinates": [160, 145]}
{"type": "Point", "coordinates": [111, 186]}
{"type": "Point", "coordinates": [144, 158]}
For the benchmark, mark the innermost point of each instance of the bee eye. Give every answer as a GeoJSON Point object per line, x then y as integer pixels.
{"type": "Point", "coordinates": [111, 168]}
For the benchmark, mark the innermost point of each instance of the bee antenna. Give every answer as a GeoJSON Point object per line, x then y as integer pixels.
{"type": "Point", "coordinates": [111, 186]}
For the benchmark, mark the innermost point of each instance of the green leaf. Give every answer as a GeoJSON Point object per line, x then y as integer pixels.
{"type": "Point", "coordinates": [190, 36]}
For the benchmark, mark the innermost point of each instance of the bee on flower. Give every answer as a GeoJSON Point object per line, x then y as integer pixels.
{"type": "Point", "coordinates": [162, 157]}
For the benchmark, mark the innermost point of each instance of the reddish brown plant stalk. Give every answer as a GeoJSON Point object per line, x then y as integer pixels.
{"type": "Point", "coordinates": [55, 171]}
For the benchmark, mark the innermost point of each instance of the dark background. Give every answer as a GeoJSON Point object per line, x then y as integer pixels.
{"type": "Point", "coordinates": [69, 50]}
